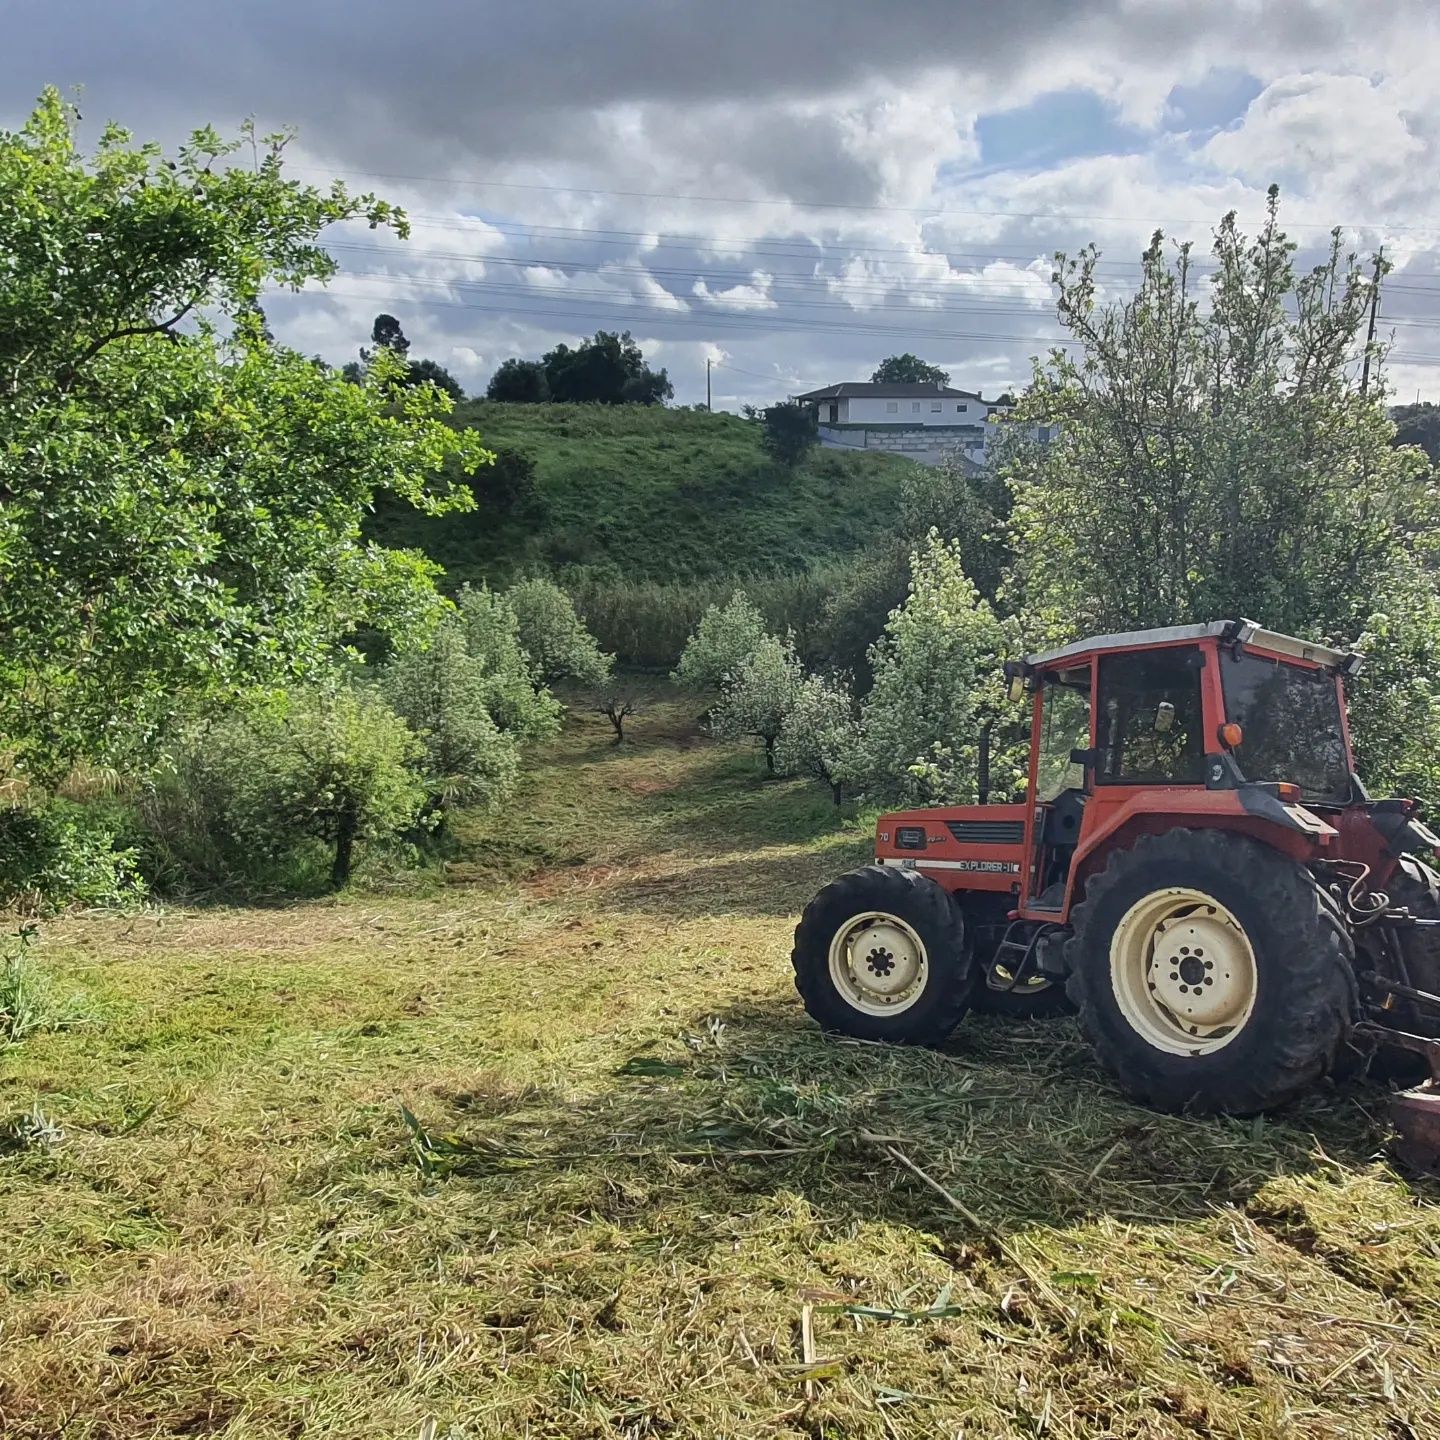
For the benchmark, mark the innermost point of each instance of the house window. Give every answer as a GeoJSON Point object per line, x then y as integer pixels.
{"type": "Point", "coordinates": [961, 409]}
{"type": "Point", "coordinates": [934, 407]}
{"type": "Point", "coordinates": [915, 406]}
{"type": "Point", "coordinates": [892, 407]}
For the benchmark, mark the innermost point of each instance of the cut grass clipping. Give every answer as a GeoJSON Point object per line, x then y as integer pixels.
{"type": "Point", "coordinates": [554, 1152]}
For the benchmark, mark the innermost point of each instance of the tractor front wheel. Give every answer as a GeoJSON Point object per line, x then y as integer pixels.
{"type": "Point", "coordinates": [1210, 973]}
{"type": "Point", "coordinates": [881, 954]}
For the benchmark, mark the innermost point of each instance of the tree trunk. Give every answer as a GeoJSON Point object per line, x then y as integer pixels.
{"type": "Point", "coordinates": [344, 849]}
{"type": "Point", "coordinates": [770, 753]}
{"type": "Point", "coordinates": [835, 793]}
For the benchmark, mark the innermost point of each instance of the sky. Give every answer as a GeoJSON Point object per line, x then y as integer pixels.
{"type": "Point", "coordinates": [789, 190]}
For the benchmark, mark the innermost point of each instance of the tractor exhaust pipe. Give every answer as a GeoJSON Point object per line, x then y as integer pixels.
{"type": "Point", "coordinates": [982, 781]}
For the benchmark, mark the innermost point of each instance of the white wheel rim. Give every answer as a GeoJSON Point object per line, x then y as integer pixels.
{"type": "Point", "coordinates": [1183, 972]}
{"type": "Point", "coordinates": [1002, 978]}
{"type": "Point", "coordinates": [878, 963]}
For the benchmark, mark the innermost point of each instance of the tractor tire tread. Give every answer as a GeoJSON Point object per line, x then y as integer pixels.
{"type": "Point", "coordinates": [1319, 988]}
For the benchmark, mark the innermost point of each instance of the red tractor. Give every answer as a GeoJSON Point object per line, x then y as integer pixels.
{"type": "Point", "coordinates": [1195, 868]}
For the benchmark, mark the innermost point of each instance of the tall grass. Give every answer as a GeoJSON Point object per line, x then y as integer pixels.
{"type": "Point", "coordinates": [645, 623]}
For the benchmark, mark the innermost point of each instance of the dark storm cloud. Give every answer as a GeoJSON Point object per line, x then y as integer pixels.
{"type": "Point", "coordinates": [445, 82]}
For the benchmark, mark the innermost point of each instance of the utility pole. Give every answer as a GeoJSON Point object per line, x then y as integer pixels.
{"type": "Point", "coordinates": [708, 405]}
{"type": "Point", "coordinates": [1374, 309]}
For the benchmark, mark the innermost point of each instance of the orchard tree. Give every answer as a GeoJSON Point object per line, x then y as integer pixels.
{"type": "Point", "coordinates": [725, 637]}
{"type": "Point", "coordinates": [790, 430]}
{"type": "Point", "coordinates": [514, 695]}
{"type": "Point", "coordinates": [554, 637]}
{"type": "Point", "coordinates": [520, 382]}
{"type": "Point", "coordinates": [937, 669]}
{"type": "Point", "coordinates": [443, 693]}
{"type": "Point", "coordinates": [181, 500]}
{"type": "Point", "coordinates": [758, 695]}
{"type": "Point", "coordinates": [820, 736]}
{"type": "Point", "coordinates": [908, 369]}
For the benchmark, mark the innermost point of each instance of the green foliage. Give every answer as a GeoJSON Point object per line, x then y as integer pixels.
{"type": "Point", "coordinates": [505, 488]}
{"type": "Point", "coordinates": [937, 670]}
{"type": "Point", "coordinates": [758, 694]}
{"type": "Point", "coordinates": [789, 430]}
{"type": "Point", "coordinates": [726, 637]}
{"type": "Point", "coordinates": [820, 736]}
{"type": "Point", "coordinates": [1418, 424]}
{"type": "Point", "coordinates": [1216, 461]}
{"type": "Point", "coordinates": [245, 792]}
{"type": "Point", "coordinates": [554, 637]}
{"type": "Point", "coordinates": [908, 369]}
{"type": "Point", "coordinates": [443, 693]}
{"type": "Point", "coordinates": [607, 370]}
{"type": "Point", "coordinates": [431, 372]}
{"type": "Point", "coordinates": [646, 623]}
{"type": "Point", "coordinates": [520, 382]}
{"type": "Point", "coordinates": [28, 1001]}
{"type": "Point", "coordinates": [182, 502]}
{"type": "Point", "coordinates": [970, 508]}
{"type": "Point", "coordinates": [59, 853]}
{"type": "Point", "coordinates": [514, 697]}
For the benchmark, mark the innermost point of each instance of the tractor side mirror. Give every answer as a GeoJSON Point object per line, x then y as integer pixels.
{"type": "Point", "coordinates": [1017, 689]}
{"type": "Point", "coordinates": [1164, 717]}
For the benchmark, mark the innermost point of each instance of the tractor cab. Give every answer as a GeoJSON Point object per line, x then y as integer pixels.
{"type": "Point", "coordinates": [1204, 720]}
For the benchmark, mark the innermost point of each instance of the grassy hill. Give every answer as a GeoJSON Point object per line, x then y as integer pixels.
{"type": "Point", "coordinates": [555, 1152]}
{"type": "Point", "coordinates": [654, 494]}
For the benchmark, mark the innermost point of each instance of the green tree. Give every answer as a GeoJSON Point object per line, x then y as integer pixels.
{"type": "Point", "coordinates": [554, 637]}
{"type": "Point", "coordinates": [908, 369]}
{"type": "Point", "coordinates": [820, 736]}
{"type": "Point", "coordinates": [521, 382]}
{"type": "Point", "coordinates": [516, 698]}
{"type": "Point", "coordinates": [725, 637]}
{"type": "Point", "coordinates": [180, 501]}
{"type": "Point", "coordinates": [790, 429]}
{"type": "Point", "coordinates": [758, 695]}
{"type": "Point", "coordinates": [443, 693]}
{"type": "Point", "coordinates": [431, 372]}
{"type": "Point", "coordinates": [608, 369]}
{"type": "Point", "coordinates": [1418, 424]}
{"type": "Point", "coordinates": [386, 334]}
{"type": "Point", "coordinates": [938, 679]}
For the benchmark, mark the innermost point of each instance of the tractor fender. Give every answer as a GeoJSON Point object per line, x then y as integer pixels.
{"type": "Point", "coordinates": [1249, 810]}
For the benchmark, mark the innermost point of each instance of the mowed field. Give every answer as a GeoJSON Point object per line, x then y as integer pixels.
{"type": "Point", "coordinates": [551, 1150]}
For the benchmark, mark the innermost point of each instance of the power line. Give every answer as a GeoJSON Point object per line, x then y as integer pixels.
{"type": "Point", "coordinates": [929, 210]}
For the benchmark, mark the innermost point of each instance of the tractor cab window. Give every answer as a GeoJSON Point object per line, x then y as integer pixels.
{"type": "Point", "coordinates": [1289, 716]}
{"type": "Point", "coordinates": [1150, 724]}
{"type": "Point", "coordinates": [1065, 726]}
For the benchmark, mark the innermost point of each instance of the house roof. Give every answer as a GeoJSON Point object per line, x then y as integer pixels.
{"type": "Point", "coordinates": [868, 390]}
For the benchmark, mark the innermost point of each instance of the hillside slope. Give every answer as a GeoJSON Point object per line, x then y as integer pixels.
{"type": "Point", "coordinates": [653, 494]}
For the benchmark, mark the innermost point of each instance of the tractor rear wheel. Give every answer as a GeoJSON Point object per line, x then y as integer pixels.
{"type": "Point", "coordinates": [881, 954]}
{"type": "Point", "coordinates": [1210, 973]}
{"type": "Point", "coordinates": [1416, 886]}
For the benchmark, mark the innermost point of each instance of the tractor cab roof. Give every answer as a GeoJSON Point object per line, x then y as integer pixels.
{"type": "Point", "coordinates": [1247, 632]}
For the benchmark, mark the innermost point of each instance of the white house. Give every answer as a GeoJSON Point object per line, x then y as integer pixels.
{"type": "Point", "coordinates": [922, 420]}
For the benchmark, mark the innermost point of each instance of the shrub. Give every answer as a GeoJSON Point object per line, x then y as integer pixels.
{"type": "Point", "coordinates": [937, 674]}
{"type": "Point", "coordinates": [517, 703]}
{"type": "Point", "coordinates": [820, 735]}
{"type": "Point", "coordinates": [725, 638]}
{"type": "Point", "coordinates": [57, 853]}
{"type": "Point", "coordinates": [443, 694]}
{"type": "Point", "coordinates": [554, 637]}
{"type": "Point", "coordinates": [789, 429]}
{"type": "Point", "coordinates": [247, 792]}
{"type": "Point", "coordinates": [758, 694]}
